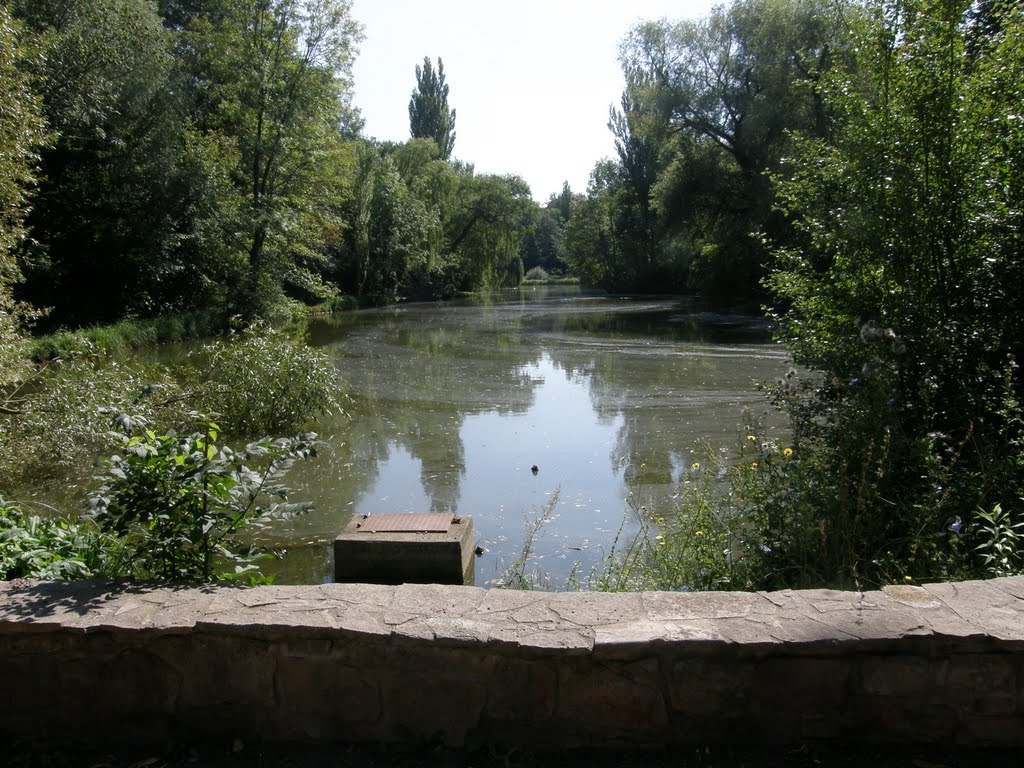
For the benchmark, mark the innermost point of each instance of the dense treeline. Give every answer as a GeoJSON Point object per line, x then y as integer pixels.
{"type": "Point", "coordinates": [192, 155]}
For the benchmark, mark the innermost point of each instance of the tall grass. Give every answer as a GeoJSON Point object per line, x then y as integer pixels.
{"type": "Point", "coordinates": [128, 335]}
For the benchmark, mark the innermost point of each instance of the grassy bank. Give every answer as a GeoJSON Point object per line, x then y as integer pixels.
{"type": "Point", "coordinates": [128, 335]}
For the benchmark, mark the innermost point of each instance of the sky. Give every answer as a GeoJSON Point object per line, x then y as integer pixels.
{"type": "Point", "coordinates": [531, 81]}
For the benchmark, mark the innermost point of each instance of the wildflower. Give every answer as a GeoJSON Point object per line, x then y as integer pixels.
{"type": "Point", "coordinates": [908, 578]}
{"type": "Point", "coordinates": [753, 465]}
{"type": "Point", "coordinates": [787, 452]}
{"type": "Point", "coordinates": [699, 533]}
{"type": "Point", "coordinates": [695, 465]}
{"type": "Point", "coordinates": [752, 438]}
{"type": "Point", "coordinates": [954, 524]}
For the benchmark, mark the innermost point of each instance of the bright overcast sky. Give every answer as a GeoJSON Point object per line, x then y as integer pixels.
{"type": "Point", "coordinates": [531, 80]}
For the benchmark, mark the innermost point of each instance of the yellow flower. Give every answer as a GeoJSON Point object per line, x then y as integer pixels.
{"type": "Point", "coordinates": [699, 533]}
{"type": "Point", "coordinates": [752, 438]}
{"type": "Point", "coordinates": [787, 452]}
{"type": "Point", "coordinates": [695, 465]}
{"type": "Point", "coordinates": [753, 465]}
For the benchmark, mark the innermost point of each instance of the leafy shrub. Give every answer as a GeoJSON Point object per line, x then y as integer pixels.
{"type": "Point", "coordinates": [62, 420]}
{"type": "Point", "coordinates": [178, 504]}
{"type": "Point", "coordinates": [258, 382]}
{"type": "Point", "coordinates": [49, 548]}
{"type": "Point", "coordinates": [538, 274]}
{"type": "Point", "coordinates": [261, 381]}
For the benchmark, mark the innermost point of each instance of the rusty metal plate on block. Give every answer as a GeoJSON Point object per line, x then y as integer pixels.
{"type": "Point", "coordinates": [416, 522]}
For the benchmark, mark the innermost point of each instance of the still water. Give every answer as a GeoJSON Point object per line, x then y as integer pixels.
{"type": "Point", "coordinates": [452, 404]}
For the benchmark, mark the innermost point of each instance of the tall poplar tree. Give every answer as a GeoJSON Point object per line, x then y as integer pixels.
{"type": "Point", "coordinates": [429, 116]}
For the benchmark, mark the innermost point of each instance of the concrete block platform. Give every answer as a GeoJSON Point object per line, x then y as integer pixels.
{"type": "Point", "coordinates": [429, 548]}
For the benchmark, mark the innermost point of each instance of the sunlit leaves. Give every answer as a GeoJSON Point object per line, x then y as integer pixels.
{"type": "Point", "coordinates": [21, 136]}
{"type": "Point", "coordinates": [177, 504]}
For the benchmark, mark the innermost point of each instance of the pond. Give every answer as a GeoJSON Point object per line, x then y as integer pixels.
{"type": "Point", "coordinates": [452, 404]}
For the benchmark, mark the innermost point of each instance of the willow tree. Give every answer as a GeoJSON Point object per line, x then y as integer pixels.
{"type": "Point", "coordinates": [429, 116]}
{"type": "Point", "coordinates": [709, 106]}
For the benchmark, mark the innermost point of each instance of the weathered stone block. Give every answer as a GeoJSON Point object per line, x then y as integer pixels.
{"type": "Point", "coordinates": [522, 690]}
{"type": "Point", "coordinates": [710, 684]}
{"type": "Point", "coordinates": [621, 701]}
{"type": "Point", "coordinates": [984, 684]}
{"type": "Point", "coordinates": [405, 557]}
{"type": "Point", "coordinates": [991, 731]}
{"type": "Point", "coordinates": [427, 707]}
{"type": "Point", "coordinates": [318, 699]}
{"type": "Point", "coordinates": [896, 675]}
{"type": "Point", "coordinates": [342, 663]}
{"type": "Point", "coordinates": [247, 682]}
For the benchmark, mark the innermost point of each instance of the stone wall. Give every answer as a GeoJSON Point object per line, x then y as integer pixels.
{"type": "Point", "coordinates": [940, 664]}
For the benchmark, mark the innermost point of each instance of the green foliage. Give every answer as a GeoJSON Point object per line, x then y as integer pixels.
{"type": "Point", "coordinates": [273, 83]}
{"type": "Point", "coordinates": [262, 381]}
{"type": "Point", "coordinates": [421, 227]}
{"type": "Point", "coordinates": [709, 106]}
{"type": "Point", "coordinates": [394, 234]}
{"type": "Point", "coordinates": [899, 290]}
{"type": "Point", "coordinates": [910, 430]}
{"type": "Point", "coordinates": [21, 137]}
{"type": "Point", "coordinates": [429, 116]}
{"type": "Point", "coordinates": [119, 203]}
{"type": "Point", "coordinates": [59, 422]}
{"type": "Point", "coordinates": [544, 244]}
{"type": "Point", "coordinates": [127, 335]}
{"type": "Point", "coordinates": [538, 275]}
{"type": "Point", "coordinates": [178, 504]}
{"type": "Point", "coordinates": [485, 231]}
{"type": "Point", "coordinates": [35, 547]}
{"type": "Point", "coordinates": [1002, 542]}
{"type": "Point", "coordinates": [259, 381]}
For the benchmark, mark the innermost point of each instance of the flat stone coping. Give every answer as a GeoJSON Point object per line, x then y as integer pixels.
{"type": "Point", "coordinates": [585, 623]}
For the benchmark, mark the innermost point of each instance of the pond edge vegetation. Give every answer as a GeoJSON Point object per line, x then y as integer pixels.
{"type": "Point", "coordinates": [868, 169]}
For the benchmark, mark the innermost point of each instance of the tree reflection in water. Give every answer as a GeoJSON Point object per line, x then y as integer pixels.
{"type": "Point", "coordinates": [452, 404]}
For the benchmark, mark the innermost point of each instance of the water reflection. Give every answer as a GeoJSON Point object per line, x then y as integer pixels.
{"type": "Point", "coordinates": [451, 405]}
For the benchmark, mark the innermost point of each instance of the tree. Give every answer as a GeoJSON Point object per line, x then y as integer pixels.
{"type": "Point", "coordinates": [486, 228]}
{"type": "Point", "coordinates": [903, 289]}
{"type": "Point", "coordinates": [21, 136]}
{"type": "Point", "coordinates": [272, 83]}
{"type": "Point", "coordinates": [388, 243]}
{"type": "Point", "coordinates": [429, 116]}
{"type": "Point", "coordinates": [124, 193]}
{"type": "Point", "coordinates": [709, 106]}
